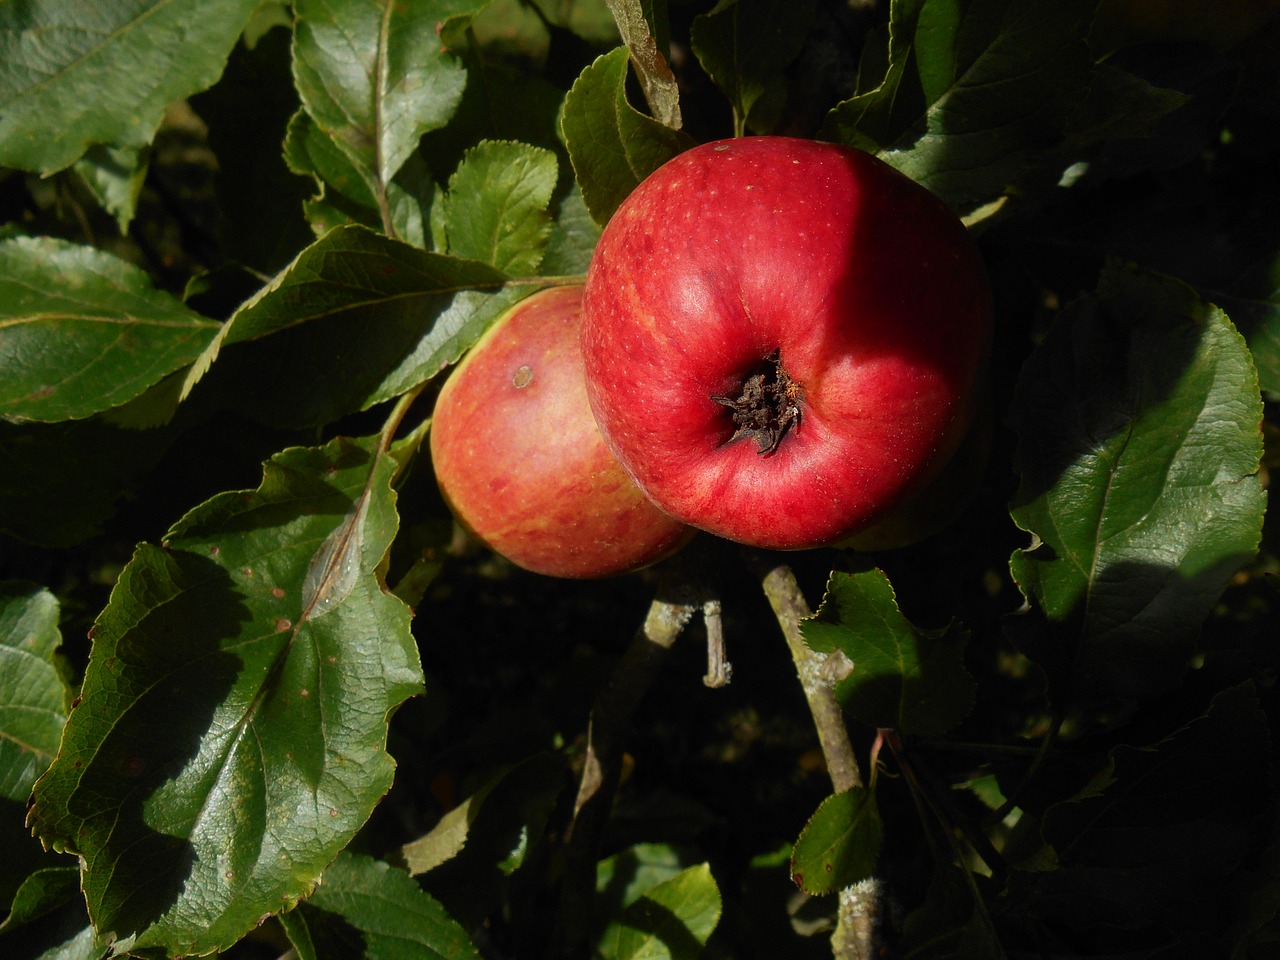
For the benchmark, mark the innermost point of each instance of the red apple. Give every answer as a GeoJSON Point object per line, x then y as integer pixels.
{"type": "Point", "coordinates": [521, 462]}
{"type": "Point", "coordinates": [783, 338]}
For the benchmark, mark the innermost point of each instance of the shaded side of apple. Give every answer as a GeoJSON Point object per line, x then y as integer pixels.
{"type": "Point", "coordinates": [521, 462]}
{"type": "Point", "coordinates": [941, 501]}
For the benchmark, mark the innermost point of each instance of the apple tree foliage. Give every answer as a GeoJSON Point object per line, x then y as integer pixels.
{"type": "Point", "coordinates": [258, 696]}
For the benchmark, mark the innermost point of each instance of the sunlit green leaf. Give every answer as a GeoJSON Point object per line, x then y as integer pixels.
{"type": "Point", "coordinates": [82, 331]}
{"type": "Point", "coordinates": [114, 176]}
{"type": "Point", "coordinates": [497, 205]}
{"type": "Point", "coordinates": [901, 677]}
{"type": "Point", "coordinates": [625, 877]}
{"type": "Point", "coordinates": [367, 908]}
{"type": "Point", "coordinates": [840, 844]}
{"type": "Point", "coordinates": [573, 236]}
{"type": "Point", "coordinates": [33, 696]}
{"type": "Point", "coordinates": [73, 74]}
{"type": "Point", "coordinates": [408, 196]}
{"type": "Point", "coordinates": [612, 145]}
{"type": "Point", "coordinates": [230, 737]}
{"type": "Point", "coordinates": [375, 76]}
{"type": "Point", "coordinates": [672, 920]}
{"type": "Point", "coordinates": [1138, 421]}
{"type": "Point", "coordinates": [34, 700]}
{"type": "Point", "coordinates": [589, 19]}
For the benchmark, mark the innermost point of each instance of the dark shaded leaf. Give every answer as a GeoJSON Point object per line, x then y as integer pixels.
{"type": "Point", "coordinates": [975, 94]}
{"type": "Point", "coordinates": [415, 312]}
{"type": "Point", "coordinates": [493, 821]}
{"type": "Point", "coordinates": [62, 481]}
{"type": "Point", "coordinates": [114, 176]}
{"type": "Point", "coordinates": [745, 46]}
{"type": "Point", "coordinates": [1152, 840]}
{"type": "Point", "coordinates": [253, 186]}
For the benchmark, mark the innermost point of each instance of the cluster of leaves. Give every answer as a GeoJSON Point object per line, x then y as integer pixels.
{"type": "Point", "coordinates": [240, 231]}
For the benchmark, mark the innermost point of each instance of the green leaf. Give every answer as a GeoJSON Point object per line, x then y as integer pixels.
{"type": "Point", "coordinates": [33, 696]}
{"type": "Point", "coordinates": [231, 733]}
{"type": "Point", "coordinates": [494, 820]}
{"type": "Point", "coordinates": [34, 700]}
{"type": "Point", "coordinates": [901, 678]}
{"type": "Point", "coordinates": [840, 844]}
{"type": "Point", "coordinates": [114, 176]}
{"type": "Point", "coordinates": [41, 892]}
{"type": "Point", "coordinates": [496, 209]}
{"type": "Point", "coordinates": [1223, 245]}
{"type": "Point", "coordinates": [375, 76]}
{"type": "Point", "coordinates": [75, 74]}
{"type": "Point", "coordinates": [625, 877]}
{"type": "Point", "coordinates": [408, 197]}
{"type": "Point", "coordinates": [1153, 840]}
{"type": "Point", "coordinates": [367, 908]}
{"type": "Point", "coordinates": [745, 46]}
{"type": "Point", "coordinates": [501, 103]}
{"type": "Point", "coordinates": [612, 146]}
{"type": "Point", "coordinates": [81, 331]}
{"type": "Point", "coordinates": [573, 238]}
{"type": "Point", "coordinates": [671, 921]}
{"type": "Point", "coordinates": [416, 313]}
{"type": "Point", "coordinates": [975, 95]}
{"type": "Point", "coordinates": [1139, 444]}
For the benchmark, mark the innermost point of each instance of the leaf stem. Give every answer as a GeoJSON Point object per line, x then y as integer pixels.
{"type": "Point", "coordinates": [392, 424]}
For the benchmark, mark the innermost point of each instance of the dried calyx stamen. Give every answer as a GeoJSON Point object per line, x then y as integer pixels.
{"type": "Point", "coordinates": [767, 408]}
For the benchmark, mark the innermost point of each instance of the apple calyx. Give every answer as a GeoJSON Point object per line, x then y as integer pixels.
{"type": "Point", "coordinates": [767, 406]}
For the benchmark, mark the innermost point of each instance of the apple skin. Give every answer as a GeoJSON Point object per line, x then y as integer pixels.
{"type": "Point", "coordinates": [867, 288]}
{"type": "Point", "coordinates": [520, 460]}
{"type": "Point", "coordinates": [940, 502]}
